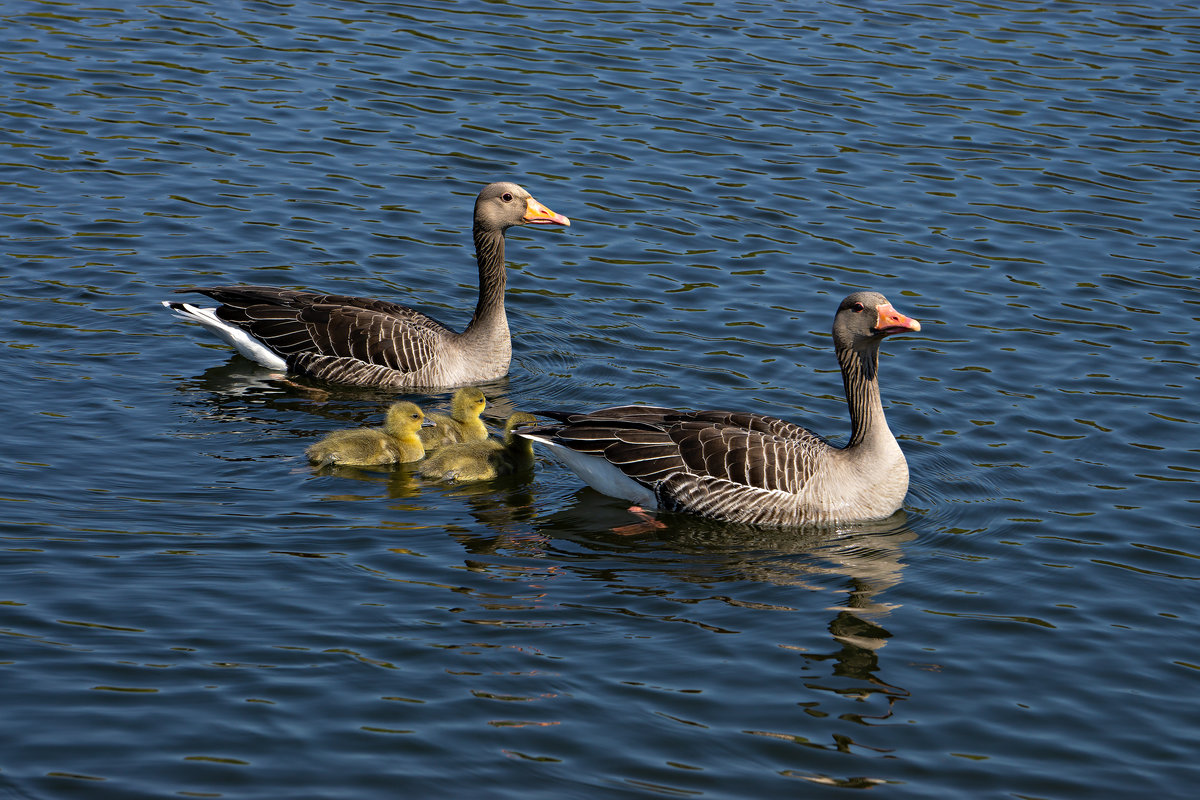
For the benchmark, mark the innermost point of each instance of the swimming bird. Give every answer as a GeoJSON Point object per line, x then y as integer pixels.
{"type": "Point", "coordinates": [746, 467]}
{"type": "Point", "coordinates": [397, 442]}
{"type": "Point", "coordinates": [365, 342]}
{"type": "Point", "coordinates": [485, 459]}
{"type": "Point", "coordinates": [462, 425]}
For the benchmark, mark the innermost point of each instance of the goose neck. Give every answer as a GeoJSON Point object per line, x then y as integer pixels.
{"type": "Point", "coordinates": [860, 378]}
{"type": "Point", "coordinates": [489, 254]}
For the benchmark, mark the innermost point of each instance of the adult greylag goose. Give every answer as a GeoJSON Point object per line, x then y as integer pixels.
{"type": "Point", "coordinates": [365, 342]}
{"type": "Point", "coordinates": [461, 425]}
{"type": "Point", "coordinates": [747, 467]}
{"type": "Point", "coordinates": [397, 442]}
{"type": "Point", "coordinates": [485, 459]}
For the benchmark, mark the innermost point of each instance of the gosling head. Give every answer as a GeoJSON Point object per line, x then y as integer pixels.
{"type": "Point", "coordinates": [467, 403]}
{"type": "Point", "coordinates": [403, 419]}
{"type": "Point", "coordinates": [517, 420]}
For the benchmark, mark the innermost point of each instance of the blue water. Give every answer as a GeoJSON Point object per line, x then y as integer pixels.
{"type": "Point", "coordinates": [190, 610]}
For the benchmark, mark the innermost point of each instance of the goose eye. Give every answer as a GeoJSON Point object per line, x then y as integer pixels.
{"type": "Point", "coordinates": [507, 197]}
{"type": "Point", "coordinates": [858, 307]}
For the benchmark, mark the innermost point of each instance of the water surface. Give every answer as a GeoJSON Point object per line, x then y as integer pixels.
{"type": "Point", "coordinates": [190, 610]}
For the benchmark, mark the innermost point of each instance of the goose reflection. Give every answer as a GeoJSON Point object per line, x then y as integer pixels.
{"type": "Point", "coordinates": [856, 566]}
{"type": "Point", "coordinates": [239, 387]}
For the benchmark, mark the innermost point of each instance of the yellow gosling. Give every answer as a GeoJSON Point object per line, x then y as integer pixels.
{"type": "Point", "coordinates": [485, 459]}
{"type": "Point", "coordinates": [463, 424]}
{"type": "Point", "coordinates": [397, 442]}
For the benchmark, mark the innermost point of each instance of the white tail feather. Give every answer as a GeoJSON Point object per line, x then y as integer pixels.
{"type": "Point", "coordinates": [232, 335]}
{"type": "Point", "coordinates": [598, 473]}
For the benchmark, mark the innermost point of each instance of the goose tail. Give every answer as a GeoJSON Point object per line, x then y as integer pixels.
{"type": "Point", "coordinates": [232, 335]}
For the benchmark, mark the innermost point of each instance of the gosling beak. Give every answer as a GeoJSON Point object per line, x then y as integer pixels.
{"type": "Point", "coordinates": [892, 321]}
{"type": "Point", "coordinates": [538, 214]}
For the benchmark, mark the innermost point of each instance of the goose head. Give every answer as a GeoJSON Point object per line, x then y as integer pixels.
{"type": "Point", "coordinates": [865, 318]}
{"type": "Point", "coordinates": [503, 205]}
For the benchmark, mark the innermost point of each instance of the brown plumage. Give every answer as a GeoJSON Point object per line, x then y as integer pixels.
{"type": "Point", "coordinates": [485, 459]}
{"type": "Point", "coordinates": [366, 342]}
{"type": "Point", "coordinates": [397, 442]}
{"type": "Point", "coordinates": [747, 467]}
{"type": "Point", "coordinates": [461, 425]}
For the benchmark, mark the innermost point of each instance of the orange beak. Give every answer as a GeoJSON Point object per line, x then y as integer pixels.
{"type": "Point", "coordinates": [892, 321]}
{"type": "Point", "coordinates": [538, 214]}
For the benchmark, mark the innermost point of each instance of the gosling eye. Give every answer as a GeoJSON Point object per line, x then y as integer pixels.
{"type": "Point", "coordinates": [507, 197]}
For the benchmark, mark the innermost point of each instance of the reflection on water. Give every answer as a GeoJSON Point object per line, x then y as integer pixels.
{"type": "Point", "coordinates": [714, 569]}
{"type": "Point", "coordinates": [856, 568]}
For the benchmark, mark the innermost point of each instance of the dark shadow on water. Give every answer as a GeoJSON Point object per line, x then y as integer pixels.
{"type": "Point", "coordinates": [504, 506]}
{"type": "Point", "coordinates": [766, 571]}
{"type": "Point", "coordinates": [241, 378]}
{"type": "Point", "coordinates": [394, 481]}
{"type": "Point", "coordinates": [235, 377]}
{"type": "Point", "coordinates": [858, 564]}
{"type": "Point", "coordinates": [238, 390]}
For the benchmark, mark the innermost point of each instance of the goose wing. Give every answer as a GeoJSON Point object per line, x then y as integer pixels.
{"type": "Point", "coordinates": [721, 463]}
{"type": "Point", "coordinates": [328, 335]}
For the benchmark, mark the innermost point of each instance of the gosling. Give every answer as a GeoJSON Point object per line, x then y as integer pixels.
{"type": "Point", "coordinates": [397, 442]}
{"type": "Point", "coordinates": [483, 460]}
{"type": "Point", "coordinates": [463, 424]}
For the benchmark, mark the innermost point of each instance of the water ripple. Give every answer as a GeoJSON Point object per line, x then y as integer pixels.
{"type": "Point", "coordinates": [1020, 177]}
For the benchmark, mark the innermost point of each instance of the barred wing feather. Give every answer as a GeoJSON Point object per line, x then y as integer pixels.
{"type": "Point", "coordinates": [336, 369]}
{"type": "Point", "coordinates": [709, 462]}
{"type": "Point", "coordinates": [325, 334]}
